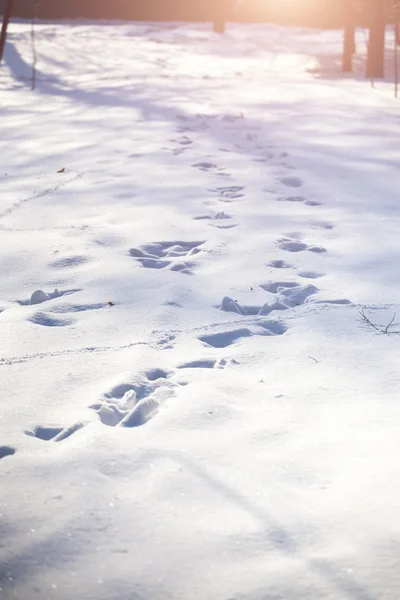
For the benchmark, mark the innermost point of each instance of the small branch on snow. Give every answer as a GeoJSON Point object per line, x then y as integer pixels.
{"type": "Point", "coordinates": [390, 324]}
{"type": "Point", "coordinates": [312, 358]}
{"type": "Point", "coordinates": [379, 328]}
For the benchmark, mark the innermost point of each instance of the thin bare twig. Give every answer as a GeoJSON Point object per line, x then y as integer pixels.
{"type": "Point", "coordinates": [365, 318]}
{"type": "Point", "coordinates": [390, 324]}
{"type": "Point", "coordinates": [379, 328]}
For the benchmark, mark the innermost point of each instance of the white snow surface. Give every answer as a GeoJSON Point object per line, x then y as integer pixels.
{"type": "Point", "coordinates": [191, 405]}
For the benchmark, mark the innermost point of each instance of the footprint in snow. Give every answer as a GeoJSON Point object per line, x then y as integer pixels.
{"type": "Point", "coordinates": [209, 364]}
{"type": "Point", "coordinates": [303, 199]}
{"type": "Point", "coordinates": [127, 405]}
{"type": "Point", "coordinates": [39, 296]}
{"type": "Point", "coordinates": [310, 274]}
{"type": "Point", "coordinates": [292, 182]}
{"type": "Point", "coordinates": [174, 256]}
{"type": "Point", "coordinates": [6, 451]}
{"type": "Point", "coordinates": [279, 264]}
{"type": "Point", "coordinates": [205, 166]}
{"type": "Point", "coordinates": [293, 245]}
{"type": "Point", "coordinates": [55, 433]}
{"type": "Point", "coordinates": [69, 261]}
{"type": "Point", "coordinates": [227, 338]}
{"type": "Point", "coordinates": [229, 193]}
{"type": "Point", "coordinates": [230, 305]}
{"type": "Point", "coordinates": [287, 294]}
{"type": "Point", "coordinates": [47, 320]}
{"type": "Point", "coordinates": [132, 405]}
{"type": "Point", "coordinates": [217, 220]}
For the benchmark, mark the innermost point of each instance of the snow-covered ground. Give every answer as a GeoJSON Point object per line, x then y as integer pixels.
{"type": "Point", "coordinates": [193, 408]}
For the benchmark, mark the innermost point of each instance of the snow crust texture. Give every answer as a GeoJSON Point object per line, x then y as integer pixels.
{"type": "Point", "coordinates": [199, 260]}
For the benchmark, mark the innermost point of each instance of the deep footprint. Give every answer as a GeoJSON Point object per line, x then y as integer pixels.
{"type": "Point", "coordinates": [274, 286]}
{"type": "Point", "coordinates": [132, 405]}
{"type": "Point", "coordinates": [69, 262]}
{"type": "Point", "coordinates": [299, 199]}
{"type": "Point", "coordinates": [167, 255]}
{"type": "Point", "coordinates": [292, 245]}
{"type": "Point", "coordinates": [230, 305]}
{"type": "Point", "coordinates": [279, 264]}
{"type": "Point", "coordinates": [205, 166]}
{"type": "Point", "coordinates": [229, 193]}
{"type": "Point", "coordinates": [45, 320]}
{"type": "Point", "coordinates": [6, 451]}
{"type": "Point", "coordinates": [292, 182]}
{"type": "Point", "coordinates": [227, 338]}
{"type": "Point", "coordinates": [310, 274]}
{"type": "Point", "coordinates": [54, 433]}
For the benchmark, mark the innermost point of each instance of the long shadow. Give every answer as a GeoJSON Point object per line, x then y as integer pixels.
{"type": "Point", "coordinates": [53, 86]}
{"type": "Point", "coordinates": [280, 538]}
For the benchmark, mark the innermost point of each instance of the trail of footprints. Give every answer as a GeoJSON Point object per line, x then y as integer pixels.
{"type": "Point", "coordinates": [133, 404]}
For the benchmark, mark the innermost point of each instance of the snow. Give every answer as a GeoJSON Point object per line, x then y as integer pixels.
{"type": "Point", "coordinates": [192, 405]}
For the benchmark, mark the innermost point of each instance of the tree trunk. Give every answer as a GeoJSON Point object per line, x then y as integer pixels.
{"type": "Point", "coordinates": [376, 42]}
{"type": "Point", "coordinates": [349, 44]}
{"type": "Point", "coordinates": [6, 20]}
{"type": "Point", "coordinates": [219, 26]}
{"type": "Point", "coordinates": [348, 48]}
{"type": "Point", "coordinates": [222, 13]}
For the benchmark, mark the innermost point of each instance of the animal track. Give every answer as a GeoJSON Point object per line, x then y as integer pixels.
{"type": "Point", "coordinates": [6, 451]}
{"type": "Point", "coordinates": [167, 255]}
{"type": "Point", "coordinates": [131, 405]}
{"type": "Point", "coordinates": [291, 245]}
{"type": "Point", "coordinates": [54, 433]}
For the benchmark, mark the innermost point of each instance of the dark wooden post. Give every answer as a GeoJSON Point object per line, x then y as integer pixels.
{"type": "Point", "coordinates": [6, 20]}
{"type": "Point", "coordinates": [376, 42]}
{"type": "Point", "coordinates": [349, 44]}
{"type": "Point", "coordinates": [222, 12]}
{"type": "Point", "coordinates": [219, 26]}
{"type": "Point", "coordinates": [396, 63]}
